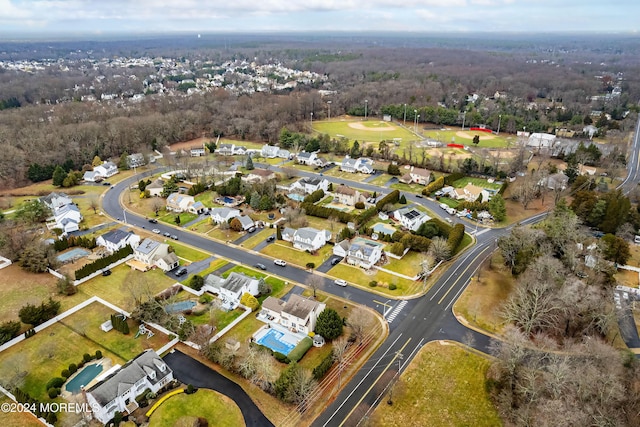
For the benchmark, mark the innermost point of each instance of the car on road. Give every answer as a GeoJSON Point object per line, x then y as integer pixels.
{"type": "Point", "coordinates": [271, 238]}
{"type": "Point", "coordinates": [419, 196]}
{"type": "Point", "coordinates": [251, 230]}
{"type": "Point", "coordinates": [153, 220]}
{"type": "Point", "coordinates": [165, 234]}
{"type": "Point", "coordinates": [106, 273]}
{"type": "Point", "coordinates": [181, 271]}
{"type": "Point", "coordinates": [280, 262]}
{"type": "Point", "coordinates": [335, 261]}
{"type": "Point", "coordinates": [174, 237]}
{"type": "Point", "coordinates": [260, 266]}
{"type": "Point", "coordinates": [340, 282]}
{"type": "Point", "coordinates": [155, 230]}
{"type": "Point", "coordinates": [105, 183]}
{"type": "Point", "coordinates": [443, 206]}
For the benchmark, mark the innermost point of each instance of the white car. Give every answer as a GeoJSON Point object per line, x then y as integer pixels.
{"type": "Point", "coordinates": [155, 230]}
{"type": "Point", "coordinates": [340, 282]}
{"type": "Point", "coordinates": [280, 262]}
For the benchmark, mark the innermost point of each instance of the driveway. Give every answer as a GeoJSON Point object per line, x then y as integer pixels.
{"type": "Point", "coordinates": [189, 371]}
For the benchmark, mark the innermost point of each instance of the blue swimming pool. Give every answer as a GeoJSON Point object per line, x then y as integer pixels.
{"type": "Point", "coordinates": [177, 307]}
{"type": "Point", "coordinates": [228, 200]}
{"type": "Point", "coordinates": [276, 341]}
{"type": "Point", "coordinates": [83, 378]}
{"type": "Point", "coordinates": [296, 197]}
{"type": "Point", "coordinates": [72, 254]}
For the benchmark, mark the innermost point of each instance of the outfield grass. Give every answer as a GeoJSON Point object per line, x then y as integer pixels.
{"type": "Point", "coordinates": [341, 128]}
{"type": "Point", "coordinates": [443, 386]}
{"type": "Point", "coordinates": [187, 252]}
{"type": "Point", "coordinates": [184, 409]}
{"type": "Point", "coordinates": [446, 136]}
{"type": "Point", "coordinates": [281, 250]}
{"type": "Point", "coordinates": [357, 276]}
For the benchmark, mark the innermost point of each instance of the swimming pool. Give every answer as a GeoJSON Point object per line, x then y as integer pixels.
{"type": "Point", "coordinates": [296, 197]}
{"type": "Point", "coordinates": [83, 378]}
{"type": "Point", "coordinates": [177, 307]}
{"type": "Point", "coordinates": [228, 200]}
{"type": "Point", "coordinates": [74, 253]}
{"type": "Point", "coordinates": [277, 341]}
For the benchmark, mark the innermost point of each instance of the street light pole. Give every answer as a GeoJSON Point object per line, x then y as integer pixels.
{"type": "Point", "coordinates": [464, 116]}
{"type": "Point", "coordinates": [499, 121]}
{"type": "Point", "coordinates": [404, 120]}
{"type": "Point", "coordinates": [329, 107]}
{"type": "Point", "coordinates": [366, 103]}
{"type": "Point", "coordinates": [415, 120]}
{"type": "Point", "coordinates": [312, 121]}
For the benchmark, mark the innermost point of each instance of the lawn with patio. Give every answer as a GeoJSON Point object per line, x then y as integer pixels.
{"type": "Point", "coordinates": [184, 410]}
{"type": "Point", "coordinates": [283, 250]}
{"type": "Point", "coordinates": [358, 276]}
{"type": "Point", "coordinates": [444, 385]}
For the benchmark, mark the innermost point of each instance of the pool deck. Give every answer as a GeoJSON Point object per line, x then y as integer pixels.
{"type": "Point", "coordinates": [106, 363]}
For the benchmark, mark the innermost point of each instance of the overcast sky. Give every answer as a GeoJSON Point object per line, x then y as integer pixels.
{"type": "Point", "coordinates": [242, 16]}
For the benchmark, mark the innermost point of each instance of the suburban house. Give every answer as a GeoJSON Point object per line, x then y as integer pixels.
{"type": "Point", "coordinates": [306, 158]}
{"type": "Point", "coordinates": [470, 193]}
{"type": "Point", "coordinates": [259, 175]}
{"type": "Point", "coordinates": [231, 150]}
{"type": "Point", "coordinates": [246, 222]}
{"type": "Point", "coordinates": [155, 188]}
{"type": "Point", "coordinates": [299, 314]}
{"type": "Point", "coordinates": [420, 176]}
{"type": "Point", "coordinates": [177, 202]}
{"type": "Point", "coordinates": [271, 152]}
{"type": "Point", "coordinates": [230, 290]}
{"type": "Point", "coordinates": [117, 239]}
{"type": "Point", "coordinates": [307, 238]}
{"type": "Point", "coordinates": [541, 140]}
{"type": "Point", "coordinates": [151, 253]}
{"type": "Point", "coordinates": [220, 215]}
{"type": "Point", "coordinates": [197, 152]}
{"type": "Point", "coordinates": [56, 200]}
{"type": "Point", "coordinates": [362, 165]}
{"type": "Point", "coordinates": [362, 253]}
{"type": "Point", "coordinates": [348, 196]}
{"type": "Point", "coordinates": [118, 391]}
{"type": "Point", "coordinates": [135, 160]}
{"type": "Point", "coordinates": [100, 172]}
{"type": "Point", "coordinates": [308, 185]}
{"type": "Point", "coordinates": [66, 217]}
{"type": "Point", "coordinates": [557, 181]}
{"type": "Point", "coordinates": [411, 218]}
{"type": "Point", "coordinates": [587, 170]}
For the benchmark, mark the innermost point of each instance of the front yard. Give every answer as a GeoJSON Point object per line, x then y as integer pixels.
{"type": "Point", "coordinates": [285, 251]}
{"type": "Point", "coordinates": [358, 276]}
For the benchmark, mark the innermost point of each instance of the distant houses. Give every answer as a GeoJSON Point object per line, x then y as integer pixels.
{"type": "Point", "coordinates": [135, 160]}
{"type": "Point", "coordinates": [271, 152]}
{"type": "Point", "coordinates": [231, 150]}
{"type": "Point", "coordinates": [362, 165]}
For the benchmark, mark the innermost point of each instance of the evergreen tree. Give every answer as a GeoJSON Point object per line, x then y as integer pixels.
{"type": "Point", "coordinates": [59, 175]}
{"type": "Point", "coordinates": [249, 164]}
{"type": "Point", "coordinates": [402, 200]}
{"type": "Point", "coordinates": [329, 324]}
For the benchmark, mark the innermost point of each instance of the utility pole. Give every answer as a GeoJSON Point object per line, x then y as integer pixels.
{"type": "Point", "coordinates": [397, 377]}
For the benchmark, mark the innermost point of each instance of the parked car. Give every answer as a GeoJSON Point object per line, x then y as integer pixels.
{"type": "Point", "coordinates": [155, 230]}
{"type": "Point", "coordinates": [340, 282]}
{"type": "Point", "coordinates": [419, 196]}
{"type": "Point", "coordinates": [251, 230]}
{"type": "Point", "coordinates": [153, 220]}
{"type": "Point", "coordinates": [335, 261]}
{"type": "Point", "coordinates": [106, 183]}
{"type": "Point", "coordinates": [443, 206]}
{"type": "Point", "coordinates": [174, 237]}
{"type": "Point", "coordinates": [280, 262]}
{"type": "Point", "coordinates": [106, 273]}
{"type": "Point", "coordinates": [261, 266]}
{"type": "Point", "coordinates": [165, 234]}
{"type": "Point", "coordinates": [271, 238]}
{"type": "Point", "coordinates": [181, 271]}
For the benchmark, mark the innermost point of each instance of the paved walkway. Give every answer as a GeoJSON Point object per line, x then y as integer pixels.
{"type": "Point", "coordinates": [190, 371]}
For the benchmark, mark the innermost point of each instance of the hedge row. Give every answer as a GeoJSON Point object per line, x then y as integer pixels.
{"type": "Point", "coordinates": [325, 212]}
{"type": "Point", "coordinates": [300, 350]}
{"type": "Point", "coordinates": [119, 323]}
{"type": "Point", "coordinates": [323, 367]}
{"type": "Point", "coordinates": [450, 179]}
{"type": "Point", "coordinates": [101, 263]}
{"type": "Point", "coordinates": [390, 198]}
{"type": "Point", "coordinates": [314, 197]}
{"type": "Point", "coordinates": [455, 237]}
{"type": "Point", "coordinates": [434, 186]}
{"type": "Point", "coordinates": [68, 242]}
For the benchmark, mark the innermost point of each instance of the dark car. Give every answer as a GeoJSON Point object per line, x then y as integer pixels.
{"type": "Point", "coordinates": [261, 266]}
{"type": "Point", "coordinates": [106, 183]}
{"type": "Point", "coordinates": [335, 261]}
{"type": "Point", "coordinates": [106, 273]}
{"type": "Point", "coordinates": [419, 196]}
{"type": "Point", "coordinates": [153, 221]}
{"type": "Point", "coordinates": [271, 238]}
{"type": "Point", "coordinates": [181, 271]}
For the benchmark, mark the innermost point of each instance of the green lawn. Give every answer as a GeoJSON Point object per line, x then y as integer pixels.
{"type": "Point", "coordinates": [449, 202]}
{"type": "Point", "coordinates": [187, 252]}
{"type": "Point", "coordinates": [225, 235]}
{"type": "Point", "coordinates": [184, 409]}
{"type": "Point", "coordinates": [355, 275]}
{"type": "Point", "coordinates": [408, 265]}
{"type": "Point", "coordinates": [206, 198]}
{"type": "Point", "coordinates": [380, 180]}
{"type": "Point", "coordinates": [170, 218]}
{"type": "Point", "coordinates": [278, 288]}
{"type": "Point", "coordinates": [409, 188]}
{"type": "Point", "coordinates": [244, 270]}
{"type": "Point", "coordinates": [341, 128]}
{"type": "Point", "coordinates": [258, 237]}
{"type": "Point", "coordinates": [284, 251]}
{"type": "Point", "coordinates": [222, 317]}
{"type": "Point", "coordinates": [446, 136]}
{"type": "Point", "coordinates": [443, 386]}
{"type": "Point", "coordinates": [337, 173]}
{"type": "Point", "coordinates": [476, 181]}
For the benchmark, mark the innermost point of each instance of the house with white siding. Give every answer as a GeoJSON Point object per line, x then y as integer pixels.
{"type": "Point", "coordinates": [220, 215]}
{"type": "Point", "coordinates": [307, 238]}
{"type": "Point", "coordinates": [308, 185]}
{"type": "Point", "coordinates": [411, 218]}
{"type": "Point", "coordinates": [117, 239]}
{"type": "Point", "coordinates": [298, 314]}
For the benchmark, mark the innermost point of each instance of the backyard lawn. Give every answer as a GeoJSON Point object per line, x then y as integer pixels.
{"type": "Point", "coordinates": [20, 287]}
{"type": "Point", "coordinates": [184, 409]}
{"type": "Point", "coordinates": [460, 183]}
{"type": "Point", "coordinates": [337, 173]}
{"type": "Point", "coordinates": [409, 188]}
{"type": "Point", "coordinates": [170, 218]}
{"type": "Point", "coordinates": [284, 251]}
{"type": "Point", "coordinates": [409, 264]}
{"type": "Point", "coordinates": [442, 386]}
{"type": "Point", "coordinates": [16, 419]}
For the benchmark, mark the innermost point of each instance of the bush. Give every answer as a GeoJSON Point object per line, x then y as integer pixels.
{"type": "Point", "coordinates": [98, 354]}
{"type": "Point", "coordinates": [35, 315]}
{"type": "Point", "coordinates": [55, 382]}
{"type": "Point", "coordinates": [329, 324]}
{"type": "Point", "coordinates": [455, 237]}
{"type": "Point", "coordinates": [196, 282]}
{"type": "Point", "coordinates": [393, 287]}
{"type": "Point", "coordinates": [450, 179]}
{"type": "Point", "coordinates": [53, 392]}
{"type": "Point", "coordinates": [65, 373]}
{"type": "Point", "coordinates": [205, 299]}
{"type": "Point", "coordinates": [314, 197]}
{"type": "Point", "coordinates": [73, 368]}
{"type": "Point", "coordinates": [359, 205]}
{"type": "Point", "coordinates": [86, 357]}
{"type": "Point", "coordinates": [301, 349]}
{"type": "Point", "coordinates": [323, 366]}
{"type": "Point", "coordinates": [280, 357]}
{"type": "Point", "coordinates": [311, 265]}
{"type": "Point", "coordinates": [373, 283]}
{"type": "Point", "coordinates": [9, 330]}
{"type": "Point", "coordinates": [250, 301]}
{"type": "Point", "coordinates": [190, 389]}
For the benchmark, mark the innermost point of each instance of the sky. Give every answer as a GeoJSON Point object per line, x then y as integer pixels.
{"type": "Point", "coordinates": [250, 16]}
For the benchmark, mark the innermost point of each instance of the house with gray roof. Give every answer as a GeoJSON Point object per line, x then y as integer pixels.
{"type": "Point", "coordinates": [135, 160]}
{"type": "Point", "coordinates": [56, 200]}
{"type": "Point", "coordinates": [220, 215]}
{"type": "Point", "coordinates": [151, 253]}
{"type": "Point", "coordinates": [118, 391]}
{"type": "Point", "coordinates": [271, 152]}
{"type": "Point", "coordinates": [307, 238]}
{"type": "Point", "coordinates": [308, 185]}
{"type": "Point", "coordinates": [246, 222]}
{"type": "Point", "coordinates": [298, 313]}
{"type": "Point", "coordinates": [362, 165]}
{"type": "Point", "coordinates": [306, 158]}
{"type": "Point", "coordinates": [117, 239]}
{"type": "Point", "coordinates": [230, 290]}
{"type": "Point", "coordinates": [410, 217]}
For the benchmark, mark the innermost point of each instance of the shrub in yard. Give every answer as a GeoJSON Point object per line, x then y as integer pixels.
{"type": "Point", "coordinates": [98, 354]}
{"type": "Point", "coordinates": [190, 389]}
{"type": "Point", "coordinates": [359, 205]}
{"type": "Point", "coordinates": [311, 265]}
{"type": "Point", "coordinates": [205, 299]}
{"type": "Point", "coordinates": [301, 349]}
{"type": "Point", "coordinates": [250, 301]}
{"type": "Point", "coordinates": [73, 368]}
{"type": "Point", "coordinates": [196, 282]}
{"type": "Point", "coordinates": [329, 324]}
{"type": "Point", "coordinates": [393, 287]}
{"type": "Point", "coordinates": [323, 366]}
{"type": "Point", "coordinates": [55, 382]}
{"type": "Point", "coordinates": [280, 357]}
{"type": "Point", "coordinates": [65, 373]}
{"type": "Point", "coordinates": [373, 283]}
{"type": "Point", "coordinates": [86, 357]}
{"type": "Point", "coordinates": [53, 392]}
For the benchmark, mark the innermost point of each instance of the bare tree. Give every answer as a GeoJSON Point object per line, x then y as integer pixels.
{"type": "Point", "coordinates": [156, 205]}
{"type": "Point", "coordinates": [314, 282]}
{"type": "Point", "coordinates": [340, 347]}
{"type": "Point", "coordinates": [439, 249]}
{"type": "Point", "coordinates": [94, 204]}
{"type": "Point", "coordinates": [360, 321]}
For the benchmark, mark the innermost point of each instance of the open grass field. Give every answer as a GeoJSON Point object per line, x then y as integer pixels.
{"type": "Point", "coordinates": [20, 287]}
{"type": "Point", "coordinates": [409, 264]}
{"type": "Point", "coordinates": [184, 409]}
{"type": "Point", "coordinates": [357, 276]}
{"type": "Point", "coordinates": [480, 302]}
{"type": "Point", "coordinates": [283, 250]}
{"type": "Point", "coordinates": [460, 183]}
{"type": "Point", "coordinates": [457, 136]}
{"type": "Point", "coordinates": [443, 386]}
{"type": "Point", "coordinates": [372, 130]}
{"type": "Point", "coordinates": [16, 419]}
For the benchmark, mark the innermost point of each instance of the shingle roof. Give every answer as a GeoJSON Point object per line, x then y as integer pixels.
{"type": "Point", "coordinates": [299, 307]}
{"type": "Point", "coordinates": [116, 236]}
{"type": "Point", "coordinates": [273, 304]}
{"type": "Point", "coordinates": [236, 281]}
{"type": "Point", "coordinates": [147, 246]}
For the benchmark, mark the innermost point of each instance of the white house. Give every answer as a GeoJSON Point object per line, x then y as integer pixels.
{"type": "Point", "coordinates": [362, 165]}
{"type": "Point", "coordinates": [230, 290]}
{"type": "Point", "coordinates": [307, 238]}
{"type": "Point", "coordinates": [197, 152]}
{"type": "Point", "coordinates": [298, 313]}
{"type": "Point", "coordinates": [152, 253]}
{"type": "Point", "coordinates": [155, 188]}
{"type": "Point", "coordinates": [306, 158]}
{"type": "Point", "coordinates": [135, 160]}
{"type": "Point", "coordinates": [56, 200]}
{"type": "Point", "coordinates": [420, 176]}
{"type": "Point", "coordinates": [220, 215]}
{"type": "Point", "coordinates": [363, 253]}
{"type": "Point", "coordinates": [106, 169]}
{"type": "Point", "coordinates": [271, 152]}
{"type": "Point", "coordinates": [118, 391]}
{"type": "Point", "coordinates": [348, 196]}
{"type": "Point", "coordinates": [117, 239]}
{"type": "Point", "coordinates": [67, 218]}
{"type": "Point", "coordinates": [177, 202]}
{"type": "Point", "coordinates": [541, 140]}
{"type": "Point", "coordinates": [231, 150]}
{"type": "Point", "coordinates": [470, 193]}
{"type": "Point", "coordinates": [411, 218]}
{"type": "Point", "coordinates": [308, 185]}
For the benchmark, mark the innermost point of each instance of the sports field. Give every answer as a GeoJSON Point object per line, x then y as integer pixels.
{"type": "Point", "coordinates": [465, 137]}
{"type": "Point", "coordinates": [372, 130]}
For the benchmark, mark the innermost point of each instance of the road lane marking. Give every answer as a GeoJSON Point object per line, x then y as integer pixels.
{"type": "Point", "coordinates": [360, 383]}
{"type": "Point", "coordinates": [464, 271]}
{"type": "Point", "coordinates": [374, 383]}
{"type": "Point", "coordinates": [452, 275]}
{"type": "Point", "coordinates": [396, 311]}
